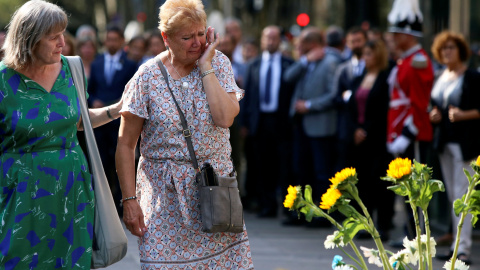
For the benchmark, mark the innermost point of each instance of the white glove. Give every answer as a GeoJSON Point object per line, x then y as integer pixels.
{"type": "Point", "coordinates": [399, 145]}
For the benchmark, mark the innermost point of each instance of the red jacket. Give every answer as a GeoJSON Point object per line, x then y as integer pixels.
{"type": "Point", "coordinates": [410, 82]}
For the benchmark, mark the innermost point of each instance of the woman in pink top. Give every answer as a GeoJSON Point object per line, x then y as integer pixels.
{"type": "Point", "coordinates": [368, 108]}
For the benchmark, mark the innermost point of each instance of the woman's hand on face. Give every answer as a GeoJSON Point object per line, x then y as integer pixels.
{"type": "Point", "coordinates": [205, 61]}
{"type": "Point", "coordinates": [133, 218]}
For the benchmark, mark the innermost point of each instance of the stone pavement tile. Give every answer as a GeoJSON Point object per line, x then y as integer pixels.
{"type": "Point", "coordinates": [277, 247]}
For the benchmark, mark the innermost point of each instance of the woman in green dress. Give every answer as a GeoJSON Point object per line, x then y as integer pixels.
{"type": "Point", "coordinates": [46, 195]}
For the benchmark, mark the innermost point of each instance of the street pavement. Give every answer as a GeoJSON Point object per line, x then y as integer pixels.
{"type": "Point", "coordinates": [278, 247]}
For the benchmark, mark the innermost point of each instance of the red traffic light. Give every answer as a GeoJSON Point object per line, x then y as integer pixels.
{"type": "Point", "coordinates": [303, 19]}
{"type": "Point", "coordinates": [141, 16]}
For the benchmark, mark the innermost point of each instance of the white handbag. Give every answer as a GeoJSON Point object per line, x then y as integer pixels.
{"type": "Point", "coordinates": [110, 241]}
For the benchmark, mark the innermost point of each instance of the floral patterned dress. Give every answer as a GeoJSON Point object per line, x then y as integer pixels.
{"type": "Point", "coordinates": [46, 196]}
{"type": "Point", "coordinates": [166, 186]}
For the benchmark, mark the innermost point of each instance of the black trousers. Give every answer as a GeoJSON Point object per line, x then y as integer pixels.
{"type": "Point", "coordinates": [371, 162]}
{"type": "Point", "coordinates": [273, 149]}
{"type": "Point", "coordinates": [314, 161]}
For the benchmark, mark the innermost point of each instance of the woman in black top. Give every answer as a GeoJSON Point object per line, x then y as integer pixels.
{"type": "Point", "coordinates": [368, 108]}
{"type": "Point", "coordinates": [455, 115]}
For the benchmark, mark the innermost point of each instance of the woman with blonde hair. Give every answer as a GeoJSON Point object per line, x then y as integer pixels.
{"type": "Point", "coordinates": [161, 204]}
{"type": "Point", "coordinates": [47, 201]}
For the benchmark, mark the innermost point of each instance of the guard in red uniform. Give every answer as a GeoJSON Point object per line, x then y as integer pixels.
{"type": "Point", "coordinates": [411, 80]}
{"type": "Point", "coordinates": [408, 129]}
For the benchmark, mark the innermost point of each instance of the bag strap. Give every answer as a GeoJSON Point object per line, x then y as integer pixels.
{"type": "Point", "coordinates": [186, 131]}
{"type": "Point", "coordinates": [78, 76]}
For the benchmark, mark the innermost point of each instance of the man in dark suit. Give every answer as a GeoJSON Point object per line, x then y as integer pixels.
{"type": "Point", "coordinates": [342, 83]}
{"type": "Point", "coordinates": [265, 121]}
{"type": "Point", "coordinates": [313, 111]}
{"type": "Point", "coordinates": [110, 72]}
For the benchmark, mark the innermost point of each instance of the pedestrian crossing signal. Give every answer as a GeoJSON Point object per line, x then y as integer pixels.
{"type": "Point", "coordinates": [303, 19]}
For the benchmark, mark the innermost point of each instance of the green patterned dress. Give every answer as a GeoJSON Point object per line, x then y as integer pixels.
{"type": "Point", "coordinates": [46, 195]}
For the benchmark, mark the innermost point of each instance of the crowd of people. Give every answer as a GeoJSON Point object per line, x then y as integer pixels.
{"type": "Point", "coordinates": [312, 105]}
{"type": "Point", "coordinates": [326, 100]}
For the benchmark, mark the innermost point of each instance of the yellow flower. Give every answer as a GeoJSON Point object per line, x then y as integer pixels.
{"type": "Point", "coordinates": [291, 197]}
{"type": "Point", "coordinates": [399, 167]}
{"type": "Point", "coordinates": [341, 176]}
{"type": "Point", "coordinates": [330, 197]}
{"type": "Point", "coordinates": [478, 161]}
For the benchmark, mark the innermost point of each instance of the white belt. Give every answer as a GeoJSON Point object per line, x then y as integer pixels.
{"type": "Point", "coordinates": [399, 102]}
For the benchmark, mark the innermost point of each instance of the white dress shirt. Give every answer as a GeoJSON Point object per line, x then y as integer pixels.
{"type": "Point", "coordinates": [358, 65]}
{"type": "Point", "coordinates": [112, 64]}
{"type": "Point", "coordinates": [272, 106]}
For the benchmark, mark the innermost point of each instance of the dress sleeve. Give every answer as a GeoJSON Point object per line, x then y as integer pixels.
{"type": "Point", "coordinates": [224, 73]}
{"type": "Point", "coordinates": [137, 97]}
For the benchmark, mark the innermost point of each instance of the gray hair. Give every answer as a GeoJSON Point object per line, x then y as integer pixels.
{"type": "Point", "coordinates": [29, 24]}
{"type": "Point", "coordinates": [86, 30]}
{"type": "Point", "coordinates": [233, 20]}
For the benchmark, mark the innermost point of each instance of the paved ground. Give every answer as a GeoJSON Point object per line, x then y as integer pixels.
{"type": "Point", "coordinates": [276, 247]}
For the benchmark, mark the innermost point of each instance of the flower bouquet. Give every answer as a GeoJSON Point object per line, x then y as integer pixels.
{"type": "Point", "coordinates": [411, 180]}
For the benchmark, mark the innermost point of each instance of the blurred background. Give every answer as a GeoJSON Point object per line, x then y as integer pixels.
{"type": "Point", "coordinates": [457, 15]}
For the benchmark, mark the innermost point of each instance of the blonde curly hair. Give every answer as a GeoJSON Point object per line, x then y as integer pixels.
{"type": "Point", "coordinates": [176, 14]}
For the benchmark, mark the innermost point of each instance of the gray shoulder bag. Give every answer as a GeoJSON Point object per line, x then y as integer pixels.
{"type": "Point", "coordinates": [109, 241]}
{"type": "Point", "coordinates": [220, 203]}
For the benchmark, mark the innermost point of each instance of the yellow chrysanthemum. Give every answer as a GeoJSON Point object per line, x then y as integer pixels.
{"type": "Point", "coordinates": [291, 197]}
{"type": "Point", "coordinates": [399, 167]}
{"type": "Point", "coordinates": [330, 197]}
{"type": "Point", "coordinates": [478, 161]}
{"type": "Point", "coordinates": [341, 176]}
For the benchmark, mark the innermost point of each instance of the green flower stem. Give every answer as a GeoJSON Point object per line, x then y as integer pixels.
{"type": "Point", "coordinates": [419, 233]}
{"type": "Point", "coordinates": [350, 256]}
{"type": "Point", "coordinates": [471, 188]}
{"type": "Point", "coordinates": [417, 227]}
{"type": "Point", "coordinates": [428, 232]}
{"type": "Point", "coordinates": [457, 239]}
{"type": "Point", "coordinates": [359, 255]}
{"type": "Point", "coordinates": [376, 237]}
{"type": "Point", "coordinates": [321, 213]}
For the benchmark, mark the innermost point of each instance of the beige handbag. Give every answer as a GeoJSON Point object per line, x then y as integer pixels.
{"type": "Point", "coordinates": [109, 241]}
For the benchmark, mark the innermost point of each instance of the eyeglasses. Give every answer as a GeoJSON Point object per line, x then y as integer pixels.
{"type": "Point", "coordinates": [451, 47]}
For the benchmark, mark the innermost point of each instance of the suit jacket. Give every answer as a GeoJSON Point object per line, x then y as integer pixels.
{"type": "Point", "coordinates": [321, 120]}
{"type": "Point", "coordinates": [344, 79]}
{"type": "Point", "coordinates": [250, 107]}
{"type": "Point", "coordinates": [97, 84]}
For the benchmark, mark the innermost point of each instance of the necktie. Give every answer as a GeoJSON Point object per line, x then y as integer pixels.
{"type": "Point", "coordinates": [110, 72]}
{"type": "Point", "coordinates": [268, 83]}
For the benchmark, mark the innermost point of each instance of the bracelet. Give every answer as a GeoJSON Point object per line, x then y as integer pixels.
{"type": "Point", "coordinates": [126, 199]}
{"type": "Point", "coordinates": [108, 114]}
{"type": "Point", "coordinates": [207, 72]}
